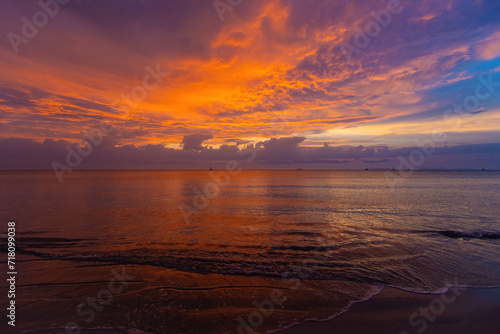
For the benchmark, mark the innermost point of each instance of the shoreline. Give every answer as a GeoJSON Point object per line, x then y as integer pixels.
{"type": "Point", "coordinates": [465, 310]}
{"type": "Point", "coordinates": [460, 310]}
{"type": "Point", "coordinates": [474, 310]}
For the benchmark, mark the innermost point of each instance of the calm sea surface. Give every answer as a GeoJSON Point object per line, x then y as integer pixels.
{"type": "Point", "coordinates": [204, 255]}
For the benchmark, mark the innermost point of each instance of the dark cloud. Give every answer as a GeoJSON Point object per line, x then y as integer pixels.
{"type": "Point", "coordinates": [32, 97]}
{"type": "Point", "coordinates": [27, 97]}
{"type": "Point", "coordinates": [194, 141]}
{"type": "Point", "coordinates": [21, 153]}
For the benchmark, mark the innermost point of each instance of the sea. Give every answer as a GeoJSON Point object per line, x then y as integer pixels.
{"type": "Point", "coordinates": [230, 251]}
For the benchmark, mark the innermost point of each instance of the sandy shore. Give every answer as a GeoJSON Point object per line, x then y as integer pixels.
{"type": "Point", "coordinates": [460, 311]}
{"type": "Point", "coordinates": [161, 300]}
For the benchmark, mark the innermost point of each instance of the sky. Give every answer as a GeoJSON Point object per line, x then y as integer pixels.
{"type": "Point", "coordinates": [87, 84]}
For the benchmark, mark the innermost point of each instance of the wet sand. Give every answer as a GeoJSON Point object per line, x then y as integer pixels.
{"type": "Point", "coordinates": [160, 300]}
{"type": "Point", "coordinates": [473, 311]}
{"type": "Point", "coordinates": [153, 299]}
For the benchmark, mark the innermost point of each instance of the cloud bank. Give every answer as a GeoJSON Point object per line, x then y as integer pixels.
{"type": "Point", "coordinates": [283, 153]}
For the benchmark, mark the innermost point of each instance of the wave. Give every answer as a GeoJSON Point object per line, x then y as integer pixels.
{"type": "Point", "coordinates": [470, 234]}
{"type": "Point", "coordinates": [289, 267]}
{"type": "Point", "coordinates": [208, 265]}
{"type": "Point", "coordinates": [388, 264]}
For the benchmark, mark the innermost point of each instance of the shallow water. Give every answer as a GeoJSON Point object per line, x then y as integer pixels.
{"type": "Point", "coordinates": [338, 236]}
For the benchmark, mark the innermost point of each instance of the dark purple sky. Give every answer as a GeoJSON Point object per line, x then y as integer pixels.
{"type": "Point", "coordinates": [304, 83]}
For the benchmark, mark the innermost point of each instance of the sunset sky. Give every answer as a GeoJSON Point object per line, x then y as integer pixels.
{"type": "Point", "coordinates": [315, 83]}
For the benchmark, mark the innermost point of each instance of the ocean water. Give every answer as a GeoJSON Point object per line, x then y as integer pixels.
{"type": "Point", "coordinates": [292, 245]}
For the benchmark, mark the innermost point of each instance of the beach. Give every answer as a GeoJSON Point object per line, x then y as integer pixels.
{"type": "Point", "coordinates": [161, 300]}
{"type": "Point", "coordinates": [473, 311]}
{"type": "Point", "coordinates": [114, 252]}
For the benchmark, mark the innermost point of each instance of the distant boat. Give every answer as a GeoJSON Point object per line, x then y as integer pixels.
{"type": "Point", "coordinates": [211, 166]}
{"type": "Point", "coordinates": [366, 167]}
